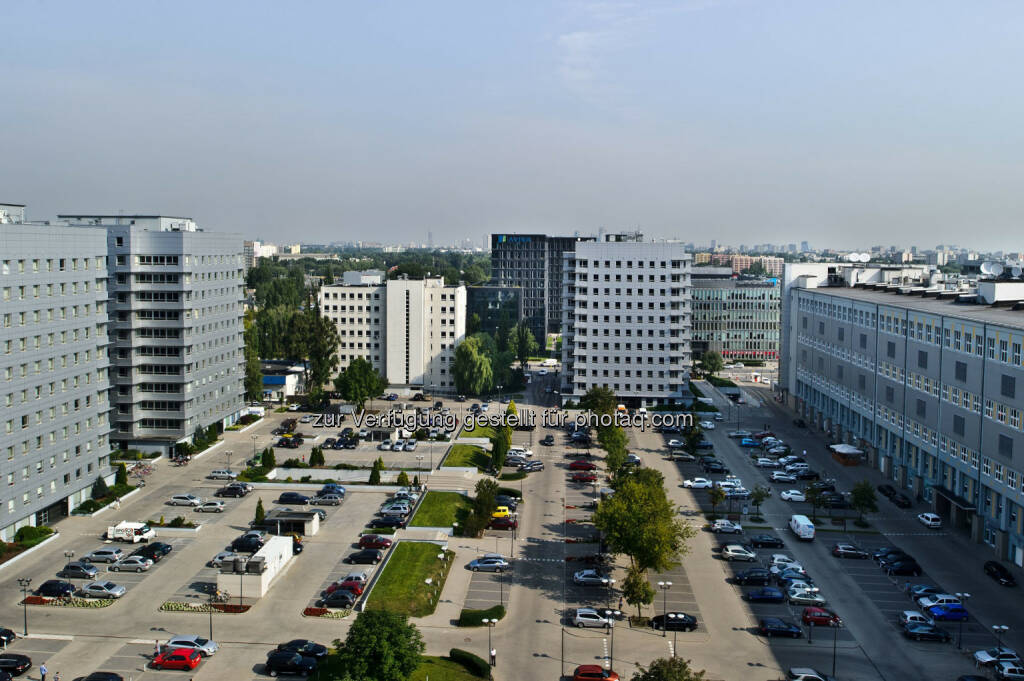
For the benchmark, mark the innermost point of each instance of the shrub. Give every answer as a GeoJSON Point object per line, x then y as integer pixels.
{"type": "Point", "coordinates": [474, 618]}
{"type": "Point", "coordinates": [31, 532]}
{"type": "Point", "coordinates": [88, 506]}
{"type": "Point", "coordinates": [99, 488]}
{"type": "Point", "coordinates": [294, 463]}
{"type": "Point", "coordinates": [403, 479]}
{"type": "Point", "coordinates": [518, 475]}
{"type": "Point", "coordinates": [121, 476]}
{"type": "Point", "coordinates": [474, 665]}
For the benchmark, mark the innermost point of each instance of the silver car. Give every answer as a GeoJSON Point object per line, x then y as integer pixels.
{"type": "Point", "coordinates": [224, 557]}
{"type": "Point", "coordinates": [132, 564]}
{"type": "Point", "coordinates": [211, 507]}
{"type": "Point", "coordinates": [185, 500]}
{"type": "Point", "coordinates": [104, 555]}
{"type": "Point", "coordinates": [588, 617]}
{"type": "Point", "coordinates": [103, 590]}
{"type": "Point", "coordinates": [205, 646]}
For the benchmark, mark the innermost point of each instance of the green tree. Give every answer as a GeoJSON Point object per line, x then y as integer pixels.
{"type": "Point", "coordinates": [599, 400]}
{"type": "Point", "coordinates": [716, 495]}
{"type": "Point", "coordinates": [758, 496]}
{"type": "Point", "coordinates": [378, 465]}
{"type": "Point", "coordinates": [637, 589]}
{"type": "Point", "coordinates": [253, 371]}
{"type": "Point", "coordinates": [472, 324]}
{"type": "Point", "coordinates": [614, 441]}
{"type": "Point", "coordinates": [863, 499]}
{"type": "Point", "coordinates": [815, 497]}
{"type": "Point", "coordinates": [403, 479]}
{"type": "Point", "coordinates": [381, 646]}
{"type": "Point", "coordinates": [500, 444]}
{"type": "Point", "coordinates": [692, 439]}
{"type": "Point", "coordinates": [260, 513]}
{"type": "Point", "coordinates": [669, 669]}
{"type": "Point", "coordinates": [474, 274]}
{"type": "Point", "coordinates": [321, 349]}
{"type": "Point", "coordinates": [121, 477]}
{"type": "Point", "coordinates": [316, 457]}
{"type": "Point", "coordinates": [472, 368]}
{"type": "Point", "coordinates": [360, 382]}
{"type": "Point", "coordinates": [483, 505]}
{"type": "Point", "coordinates": [99, 488]}
{"type": "Point", "coordinates": [268, 460]}
{"type": "Point", "coordinates": [711, 362]}
{"type": "Point", "coordinates": [522, 343]}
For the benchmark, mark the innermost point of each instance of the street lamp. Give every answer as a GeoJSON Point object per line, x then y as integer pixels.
{"type": "Point", "coordinates": [254, 437]}
{"type": "Point", "coordinates": [999, 630]}
{"type": "Point", "coordinates": [675, 633]}
{"type": "Point", "coordinates": [963, 596]}
{"type": "Point", "coordinates": [24, 583]}
{"type": "Point", "coordinates": [608, 583]}
{"type": "Point", "coordinates": [419, 461]}
{"type": "Point", "coordinates": [611, 629]}
{"type": "Point", "coordinates": [69, 555]}
{"type": "Point", "coordinates": [835, 644]}
{"type": "Point", "coordinates": [228, 454]}
{"type": "Point", "coordinates": [489, 623]}
{"type": "Point", "coordinates": [213, 592]}
{"type": "Point", "coordinates": [664, 586]}
{"type": "Point", "coordinates": [499, 394]}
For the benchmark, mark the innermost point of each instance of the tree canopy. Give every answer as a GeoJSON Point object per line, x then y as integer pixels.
{"type": "Point", "coordinates": [472, 369]}
{"type": "Point", "coordinates": [669, 669]}
{"type": "Point", "coordinates": [381, 646]}
{"type": "Point", "coordinates": [360, 382]}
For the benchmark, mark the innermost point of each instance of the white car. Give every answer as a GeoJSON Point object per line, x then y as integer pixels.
{"type": "Point", "coordinates": [205, 646]}
{"type": "Point", "coordinates": [588, 617]}
{"type": "Point", "coordinates": [782, 476]}
{"type": "Point", "coordinates": [676, 444]}
{"type": "Point", "coordinates": [308, 418]}
{"type": "Point", "coordinates": [726, 527]}
{"type": "Point", "coordinates": [707, 425]}
{"type": "Point", "coordinates": [766, 463]}
{"type": "Point", "coordinates": [776, 451]}
{"type": "Point", "coordinates": [398, 446]}
{"type": "Point", "coordinates": [211, 507]}
{"type": "Point", "coordinates": [739, 433]}
{"type": "Point", "coordinates": [991, 656]}
{"type": "Point", "coordinates": [914, 617]}
{"type": "Point", "coordinates": [738, 552]}
{"type": "Point", "coordinates": [805, 597]}
{"type": "Point", "coordinates": [103, 590]}
{"type": "Point", "coordinates": [782, 559]}
{"type": "Point", "coordinates": [132, 563]}
{"type": "Point", "coordinates": [719, 417]}
{"type": "Point", "coordinates": [930, 520]}
{"type": "Point", "coordinates": [224, 557]}
{"type": "Point", "coordinates": [293, 407]}
{"type": "Point", "coordinates": [185, 500]}
{"type": "Point", "coordinates": [697, 483]}
{"type": "Point", "coordinates": [793, 495]}
{"type": "Point", "coordinates": [542, 372]}
{"type": "Point", "coordinates": [384, 446]}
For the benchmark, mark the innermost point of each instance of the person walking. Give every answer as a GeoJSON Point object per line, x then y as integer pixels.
{"type": "Point", "coordinates": [56, 677]}
{"type": "Point", "coordinates": [494, 657]}
{"type": "Point", "coordinates": [42, 671]}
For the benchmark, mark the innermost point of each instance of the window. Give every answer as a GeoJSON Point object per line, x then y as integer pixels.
{"type": "Point", "coordinates": [961, 371]}
{"type": "Point", "coordinates": [863, 341]}
{"type": "Point", "coordinates": [1008, 386]}
{"type": "Point", "coordinates": [922, 359]}
{"type": "Point", "coordinates": [958, 425]}
{"type": "Point", "coordinates": [1005, 446]}
{"type": "Point", "coordinates": [861, 382]}
{"type": "Point", "coordinates": [890, 349]}
{"type": "Point", "coordinates": [890, 394]}
{"type": "Point", "coordinates": [922, 409]}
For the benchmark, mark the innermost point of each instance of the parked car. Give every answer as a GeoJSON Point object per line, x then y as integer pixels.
{"type": "Point", "coordinates": [247, 544]}
{"type": "Point", "coordinates": [532, 466]}
{"type": "Point", "coordinates": [205, 646]}
{"type": "Point", "coordinates": [177, 658]}
{"type": "Point", "coordinates": [210, 507]}
{"type": "Point", "coordinates": [1007, 671]}
{"type": "Point", "coordinates": [328, 499]}
{"type": "Point", "coordinates": [15, 664]}
{"type": "Point", "coordinates": [753, 576]}
{"type": "Point", "coordinates": [582, 466]}
{"type": "Point", "coordinates": [185, 500]}
{"type": "Point", "coordinates": [913, 617]}
{"type": "Point", "coordinates": [775, 626]}
{"type": "Point", "coordinates": [726, 527]}
{"type": "Point", "coordinates": [548, 440]}
{"type": "Point", "coordinates": [230, 491]}
{"type": "Point", "coordinates": [901, 500]}
{"type": "Point", "coordinates": [100, 676]}
{"type": "Point", "coordinates": [799, 596]}
{"type": "Point", "coordinates": [55, 588]}
{"type": "Point", "coordinates": [365, 557]}
{"type": "Point", "coordinates": [793, 495]}
{"type": "Point", "coordinates": [395, 522]}
{"type": "Point", "coordinates": [937, 599]}
{"type": "Point", "coordinates": [489, 562]}
{"type": "Point", "coordinates": [768, 594]}
{"type": "Point", "coordinates": [78, 570]}
{"type": "Point", "coordinates": [593, 672]}
{"type": "Point", "coordinates": [674, 621]}
{"type": "Point", "coordinates": [989, 657]}
{"type": "Point", "coordinates": [589, 577]}
{"type": "Point", "coordinates": [949, 612]}
{"type": "Point", "coordinates": [580, 476]}
{"type": "Point", "coordinates": [903, 568]}
{"type": "Point", "coordinates": [697, 483]}
{"type": "Point", "coordinates": [374, 541]}
{"type": "Point", "coordinates": [887, 491]}
{"type": "Point", "coordinates": [820, 617]}
{"type": "Point", "coordinates": [782, 476]}
{"type": "Point", "coordinates": [289, 662]}
{"type": "Point", "coordinates": [506, 523]}
{"type": "Point", "coordinates": [737, 552]}
{"type": "Point", "coordinates": [131, 564]}
{"type": "Point", "coordinates": [844, 550]}
{"type": "Point", "coordinates": [223, 557]}
{"type": "Point", "coordinates": [303, 647]}
{"type": "Point", "coordinates": [589, 617]}
{"type": "Point", "coordinates": [1000, 573]}
{"type": "Point", "coordinates": [293, 498]}
{"type": "Point", "coordinates": [926, 632]}
{"type": "Point", "coordinates": [929, 520]}
{"type": "Point", "coordinates": [104, 555]}
{"type": "Point", "coordinates": [762, 541]}
{"type": "Point", "coordinates": [339, 598]}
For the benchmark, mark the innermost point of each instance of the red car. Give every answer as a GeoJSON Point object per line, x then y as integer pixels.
{"type": "Point", "coordinates": [583, 477]}
{"type": "Point", "coordinates": [374, 541]}
{"type": "Point", "coordinates": [821, 617]}
{"type": "Point", "coordinates": [507, 523]}
{"type": "Point", "coordinates": [582, 466]}
{"type": "Point", "coordinates": [593, 672]}
{"type": "Point", "coordinates": [177, 658]}
{"type": "Point", "coordinates": [763, 434]}
{"type": "Point", "coordinates": [352, 585]}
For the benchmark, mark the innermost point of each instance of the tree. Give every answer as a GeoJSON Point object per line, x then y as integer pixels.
{"type": "Point", "coordinates": [321, 346]}
{"type": "Point", "coordinates": [121, 477]}
{"type": "Point", "coordinates": [669, 669]}
{"type": "Point", "coordinates": [472, 324]}
{"type": "Point", "coordinates": [472, 369]}
{"type": "Point", "coordinates": [486, 491]}
{"type": "Point", "coordinates": [268, 460]}
{"type": "Point", "coordinates": [758, 496]}
{"type": "Point", "coordinates": [863, 499]}
{"type": "Point", "coordinates": [599, 400]}
{"type": "Point", "coordinates": [360, 382]}
{"type": "Point", "coordinates": [381, 646]}
{"type": "Point", "coordinates": [500, 444]}
{"type": "Point", "coordinates": [711, 362]}
{"type": "Point", "coordinates": [692, 438]}
{"type": "Point", "coordinates": [637, 589]}
{"type": "Point", "coordinates": [403, 479]}
{"type": "Point", "coordinates": [522, 343]}
{"type": "Point", "coordinates": [316, 457]}
{"type": "Point", "coordinates": [99, 488]}
{"type": "Point", "coordinates": [716, 495]}
{"type": "Point", "coordinates": [253, 371]}
{"type": "Point", "coordinates": [814, 495]}
{"type": "Point", "coordinates": [378, 465]}
{"type": "Point", "coordinates": [260, 513]}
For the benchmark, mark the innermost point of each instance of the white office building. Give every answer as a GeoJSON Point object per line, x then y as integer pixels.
{"type": "Point", "coordinates": [626, 320]}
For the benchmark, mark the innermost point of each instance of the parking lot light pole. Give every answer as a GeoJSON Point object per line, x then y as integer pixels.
{"type": "Point", "coordinates": [675, 634]}
{"type": "Point", "coordinates": [963, 596]}
{"type": "Point", "coordinates": [254, 437]}
{"type": "Point", "coordinates": [25, 583]}
{"type": "Point", "coordinates": [999, 630]}
{"type": "Point", "coordinates": [611, 629]}
{"type": "Point", "coordinates": [609, 583]}
{"type": "Point", "coordinates": [69, 555]}
{"type": "Point", "coordinates": [228, 454]}
{"type": "Point", "coordinates": [212, 593]}
{"type": "Point", "coordinates": [664, 586]}
{"type": "Point", "coordinates": [835, 644]}
{"type": "Point", "coordinates": [489, 623]}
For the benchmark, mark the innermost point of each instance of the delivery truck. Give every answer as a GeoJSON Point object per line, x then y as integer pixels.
{"type": "Point", "coordinates": [130, 532]}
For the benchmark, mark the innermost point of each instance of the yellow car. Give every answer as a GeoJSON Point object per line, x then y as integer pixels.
{"type": "Point", "coordinates": [501, 512]}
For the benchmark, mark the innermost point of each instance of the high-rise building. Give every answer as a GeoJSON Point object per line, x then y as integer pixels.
{"type": "Point", "coordinates": [406, 328]}
{"type": "Point", "coordinates": [804, 247]}
{"type": "Point", "coordinates": [175, 307]}
{"type": "Point", "coordinates": [626, 320]}
{"type": "Point", "coordinates": [494, 306]}
{"type": "Point", "coordinates": [533, 262]}
{"type": "Point", "coordinates": [54, 362]}
{"type": "Point", "coordinates": [738, 318]}
{"type": "Point", "coordinates": [252, 253]}
{"type": "Point", "coordinates": [923, 380]}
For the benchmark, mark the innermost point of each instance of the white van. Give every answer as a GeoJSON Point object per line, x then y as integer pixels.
{"type": "Point", "coordinates": [802, 527]}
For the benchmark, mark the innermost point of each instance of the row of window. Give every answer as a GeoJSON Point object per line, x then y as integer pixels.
{"type": "Point", "coordinates": [596, 264]}
{"type": "Point", "coordinates": [50, 290]}
{"type": "Point", "coordinates": [52, 265]}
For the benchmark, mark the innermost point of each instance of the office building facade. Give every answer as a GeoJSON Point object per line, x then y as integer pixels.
{"type": "Point", "coordinates": [175, 306]}
{"type": "Point", "coordinates": [626, 320]}
{"type": "Point", "coordinates": [492, 307]}
{"type": "Point", "coordinates": [54, 363]}
{"type": "Point", "coordinates": [735, 317]}
{"type": "Point", "coordinates": [533, 263]}
{"type": "Point", "coordinates": [925, 381]}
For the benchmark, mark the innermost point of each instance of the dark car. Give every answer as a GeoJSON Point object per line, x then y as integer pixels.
{"type": "Point", "coordinates": [582, 454]}
{"type": "Point", "coordinates": [823, 485]}
{"type": "Point", "coordinates": [366, 557]}
{"type": "Point", "coordinates": [901, 500]}
{"type": "Point", "coordinates": [715, 467]}
{"type": "Point", "coordinates": [926, 632]}
{"type": "Point", "coordinates": [377, 523]}
{"type": "Point", "coordinates": [15, 664]}
{"type": "Point", "coordinates": [283, 662]}
{"type": "Point", "coordinates": [582, 466]}
{"type": "Point", "coordinates": [304, 647]}
{"type": "Point", "coordinates": [56, 588]}
{"type": "Point", "coordinates": [247, 544]}
{"type": "Point", "coordinates": [339, 598]}
{"type": "Point", "coordinates": [998, 572]}
{"type": "Point", "coordinates": [893, 557]}
{"type": "Point", "coordinates": [374, 541]}
{"type": "Point", "coordinates": [78, 570]}
{"type": "Point", "coordinates": [679, 622]}
{"type": "Point", "coordinates": [236, 492]}
{"type": "Point", "coordinates": [886, 491]}
{"type": "Point", "coordinates": [349, 443]}
{"type": "Point", "coordinates": [799, 423]}
{"type": "Point", "coordinates": [155, 551]}
{"type": "Point", "coordinates": [884, 551]}
{"type": "Point", "coordinates": [103, 676]}
{"type": "Point", "coordinates": [904, 567]}
{"type": "Point", "coordinates": [293, 498]}
{"type": "Point", "coordinates": [506, 523]}
{"type": "Point", "coordinates": [506, 500]}
{"type": "Point", "coordinates": [753, 576]}
{"type": "Point", "coordinates": [849, 551]}
{"type": "Point", "coordinates": [775, 626]}
{"type": "Point", "coordinates": [834, 500]}
{"type": "Point", "coordinates": [807, 475]}
{"type": "Point", "coordinates": [548, 440]}
{"type": "Point", "coordinates": [768, 594]}
{"type": "Point", "coordinates": [7, 635]}
{"type": "Point", "coordinates": [761, 541]}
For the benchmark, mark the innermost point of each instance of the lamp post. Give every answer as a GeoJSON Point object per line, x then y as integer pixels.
{"type": "Point", "coordinates": [254, 437]}
{"type": "Point", "coordinates": [455, 528]}
{"type": "Point", "coordinates": [963, 596]}
{"type": "Point", "coordinates": [675, 633]}
{"type": "Point", "coordinates": [499, 395]}
{"type": "Point", "coordinates": [428, 581]}
{"type": "Point", "coordinates": [999, 630]}
{"type": "Point", "coordinates": [489, 623]}
{"type": "Point", "coordinates": [611, 629]}
{"type": "Point", "coordinates": [212, 593]}
{"type": "Point", "coordinates": [228, 454]}
{"type": "Point", "coordinates": [664, 586]}
{"type": "Point", "coordinates": [240, 585]}
{"type": "Point", "coordinates": [608, 583]}
{"type": "Point", "coordinates": [24, 583]}
{"type": "Point", "coordinates": [835, 644]}
{"type": "Point", "coordinates": [69, 555]}
{"type": "Point", "coordinates": [419, 461]}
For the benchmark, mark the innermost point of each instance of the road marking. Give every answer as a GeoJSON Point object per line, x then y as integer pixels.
{"type": "Point", "coordinates": [671, 652]}
{"type": "Point", "coordinates": [607, 659]}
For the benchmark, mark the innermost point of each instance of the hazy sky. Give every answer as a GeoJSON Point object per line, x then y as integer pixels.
{"type": "Point", "coordinates": [844, 123]}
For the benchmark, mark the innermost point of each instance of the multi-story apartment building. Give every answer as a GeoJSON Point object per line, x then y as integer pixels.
{"type": "Point", "coordinates": [533, 263]}
{"type": "Point", "coordinates": [738, 318]}
{"type": "Point", "coordinates": [493, 306]}
{"type": "Point", "coordinates": [626, 320]}
{"type": "Point", "coordinates": [925, 381]}
{"type": "Point", "coordinates": [407, 329]}
{"type": "Point", "coordinates": [175, 305]}
{"type": "Point", "coordinates": [53, 359]}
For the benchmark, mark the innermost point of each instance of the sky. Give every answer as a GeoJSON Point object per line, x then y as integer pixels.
{"type": "Point", "coordinates": [846, 124]}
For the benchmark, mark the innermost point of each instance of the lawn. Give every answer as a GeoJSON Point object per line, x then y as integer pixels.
{"type": "Point", "coordinates": [440, 509]}
{"type": "Point", "coordinates": [401, 586]}
{"type": "Point", "coordinates": [441, 669]}
{"type": "Point", "coordinates": [468, 455]}
{"type": "Point", "coordinates": [479, 431]}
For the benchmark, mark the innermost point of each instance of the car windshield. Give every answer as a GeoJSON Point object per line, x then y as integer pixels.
{"type": "Point", "coordinates": [108, 585]}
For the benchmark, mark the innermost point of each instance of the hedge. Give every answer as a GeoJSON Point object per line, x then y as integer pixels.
{"type": "Point", "coordinates": [31, 532]}
{"type": "Point", "coordinates": [474, 618]}
{"type": "Point", "coordinates": [474, 665]}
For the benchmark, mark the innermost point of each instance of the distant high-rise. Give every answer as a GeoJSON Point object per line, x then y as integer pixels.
{"type": "Point", "coordinates": [804, 247]}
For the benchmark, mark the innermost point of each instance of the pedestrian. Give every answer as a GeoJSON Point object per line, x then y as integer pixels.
{"type": "Point", "coordinates": [906, 587]}
{"type": "Point", "coordinates": [42, 671]}
{"type": "Point", "coordinates": [620, 603]}
{"type": "Point", "coordinates": [117, 504]}
{"type": "Point", "coordinates": [494, 657]}
{"type": "Point", "coordinates": [56, 677]}
{"type": "Point", "coordinates": [156, 648]}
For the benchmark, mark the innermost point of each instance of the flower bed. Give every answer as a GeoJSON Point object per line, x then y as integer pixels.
{"type": "Point", "coordinates": [69, 602]}
{"type": "Point", "coordinates": [90, 506]}
{"type": "Point", "coordinates": [178, 606]}
{"type": "Point", "coordinates": [324, 613]}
